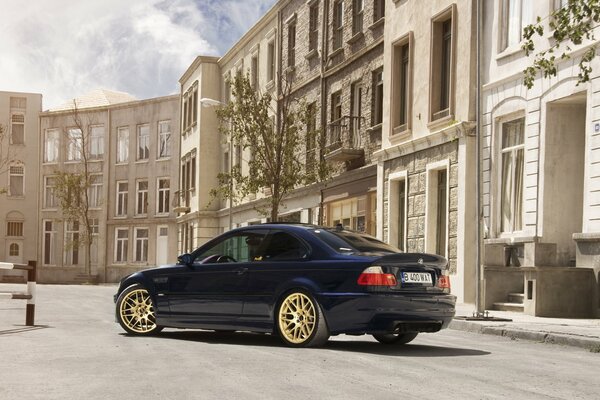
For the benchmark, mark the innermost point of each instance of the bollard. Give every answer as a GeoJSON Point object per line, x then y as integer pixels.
{"type": "Point", "coordinates": [31, 279]}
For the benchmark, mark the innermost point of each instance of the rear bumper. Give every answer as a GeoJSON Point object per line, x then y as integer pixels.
{"type": "Point", "coordinates": [385, 313]}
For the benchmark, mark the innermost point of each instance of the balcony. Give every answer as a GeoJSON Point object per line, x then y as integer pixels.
{"type": "Point", "coordinates": [344, 139]}
{"type": "Point", "coordinates": [181, 201]}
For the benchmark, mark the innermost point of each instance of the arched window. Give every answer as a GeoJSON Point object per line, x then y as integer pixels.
{"type": "Point", "coordinates": [13, 250]}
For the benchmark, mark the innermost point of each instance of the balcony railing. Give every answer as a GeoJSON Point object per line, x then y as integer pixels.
{"type": "Point", "coordinates": [344, 140]}
{"type": "Point", "coordinates": [181, 201]}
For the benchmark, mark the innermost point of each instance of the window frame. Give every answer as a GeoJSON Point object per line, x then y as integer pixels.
{"type": "Point", "coordinates": [162, 199]}
{"type": "Point", "coordinates": [74, 145]}
{"type": "Point", "coordinates": [51, 143]}
{"type": "Point", "coordinates": [144, 242]}
{"type": "Point", "coordinates": [14, 123]}
{"type": "Point", "coordinates": [141, 198]}
{"type": "Point", "coordinates": [96, 142]}
{"type": "Point", "coordinates": [48, 243]}
{"type": "Point", "coordinates": [122, 144]}
{"type": "Point", "coordinates": [143, 153]}
{"type": "Point", "coordinates": [124, 253]}
{"type": "Point", "coordinates": [122, 195]}
{"type": "Point", "coordinates": [16, 174]}
{"type": "Point", "coordinates": [402, 85]}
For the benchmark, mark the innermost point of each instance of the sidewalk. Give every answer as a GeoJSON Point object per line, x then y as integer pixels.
{"type": "Point", "coordinates": [584, 333]}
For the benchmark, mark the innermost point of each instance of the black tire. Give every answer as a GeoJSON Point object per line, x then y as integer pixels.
{"type": "Point", "coordinates": [302, 325]}
{"type": "Point", "coordinates": [136, 311]}
{"type": "Point", "coordinates": [395, 338]}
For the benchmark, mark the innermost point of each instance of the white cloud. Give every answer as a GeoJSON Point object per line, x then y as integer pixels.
{"type": "Point", "coordinates": [63, 48]}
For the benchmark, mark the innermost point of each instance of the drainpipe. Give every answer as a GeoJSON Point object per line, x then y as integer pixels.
{"type": "Point", "coordinates": [324, 56]}
{"type": "Point", "coordinates": [479, 307]}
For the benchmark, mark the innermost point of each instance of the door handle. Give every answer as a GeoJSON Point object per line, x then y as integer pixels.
{"type": "Point", "coordinates": [241, 270]}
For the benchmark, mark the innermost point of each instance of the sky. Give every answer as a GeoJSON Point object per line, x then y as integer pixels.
{"type": "Point", "coordinates": [64, 48]}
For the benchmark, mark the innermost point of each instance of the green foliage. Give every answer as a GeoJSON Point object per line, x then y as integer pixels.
{"type": "Point", "coordinates": [278, 150]}
{"type": "Point", "coordinates": [571, 25]}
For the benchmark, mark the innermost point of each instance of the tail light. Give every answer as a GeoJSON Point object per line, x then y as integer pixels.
{"type": "Point", "coordinates": [443, 282]}
{"type": "Point", "coordinates": [374, 276]}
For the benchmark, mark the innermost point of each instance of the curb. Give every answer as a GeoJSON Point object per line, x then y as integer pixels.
{"type": "Point", "coordinates": [535, 336]}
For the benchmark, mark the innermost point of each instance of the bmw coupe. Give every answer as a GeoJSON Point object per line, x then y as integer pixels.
{"type": "Point", "coordinates": [301, 282]}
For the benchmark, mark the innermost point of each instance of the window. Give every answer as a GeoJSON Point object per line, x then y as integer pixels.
{"type": "Point", "coordinates": [194, 103]}
{"type": "Point", "coordinates": [291, 44]}
{"type": "Point", "coordinates": [442, 212]}
{"type": "Point", "coordinates": [558, 4]}
{"type": "Point", "coordinates": [436, 213]}
{"type": "Point", "coordinates": [283, 246]}
{"type": "Point", "coordinates": [51, 145]}
{"type": "Point", "coordinates": [184, 108]}
{"type": "Point", "coordinates": [442, 69]}
{"type": "Point", "coordinates": [338, 24]}
{"type": "Point", "coordinates": [226, 166]}
{"type": "Point", "coordinates": [512, 159]}
{"type": "Point", "coordinates": [96, 142]}
{"type": "Point", "coordinates": [72, 242]}
{"type": "Point", "coordinates": [378, 10]}
{"type": "Point", "coordinates": [17, 129]}
{"type": "Point", "coordinates": [254, 72]}
{"type": "Point", "coordinates": [122, 194]}
{"type": "Point", "coordinates": [143, 142]}
{"type": "Point", "coordinates": [13, 250]}
{"type": "Point", "coordinates": [95, 233]}
{"type": "Point", "coordinates": [377, 117]}
{"type": "Point", "coordinates": [50, 200]}
{"type": "Point", "coordinates": [74, 144]}
{"type": "Point", "coordinates": [353, 213]}
{"type": "Point", "coordinates": [121, 245]}
{"type": "Point", "coordinates": [357, 16]}
{"type": "Point", "coordinates": [270, 62]}
{"type": "Point", "coordinates": [162, 206]}
{"type": "Point", "coordinates": [164, 139]}
{"type": "Point", "coordinates": [18, 102]}
{"type": "Point", "coordinates": [49, 238]}
{"type": "Point", "coordinates": [122, 145]}
{"type": "Point", "coordinates": [516, 15]}
{"type": "Point", "coordinates": [237, 151]}
{"type": "Point", "coordinates": [16, 178]}
{"type": "Point", "coordinates": [240, 247]}
{"type": "Point", "coordinates": [14, 229]}
{"type": "Point", "coordinates": [95, 191]}
{"type": "Point", "coordinates": [335, 131]}
{"type": "Point", "coordinates": [190, 107]}
{"type": "Point", "coordinates": [356, 107]}
{"type": "Point", "coordinates": [401, 86]}
{"type": "Point", "coordinates": [313, 27]}
{"type": "Point", "coordinates": [141, 245]}
{"type": "Point", "coordinates": [141, 206]}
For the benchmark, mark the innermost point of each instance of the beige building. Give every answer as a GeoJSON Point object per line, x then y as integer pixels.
{"type": "Point", "coordinates": [426, 166]}
{"type": "Point", "coordinates": [19, 171]}
{"type": "Point", "coordinates": [131, 147]}
{"type": "Point", "coordinates": [540, 171]}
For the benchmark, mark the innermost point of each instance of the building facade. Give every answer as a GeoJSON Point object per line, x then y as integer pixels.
{"type": "Point", "coordinates": [540, 169]}
{"type": "Point", "coordinates": [426, 166]}
{"type": "Point", "coordinates": [131, 149]}
{"type": "Point", "coordinates": [19, 172]}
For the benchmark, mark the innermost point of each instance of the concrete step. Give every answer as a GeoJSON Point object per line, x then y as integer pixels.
{"type": "Point", "coordinates": [516, 298]}
{"type": "Point", "coordinates": [509, 307]}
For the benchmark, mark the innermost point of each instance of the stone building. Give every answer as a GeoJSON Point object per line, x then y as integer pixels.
{"type": "Point", "coordinates": [540, 170]}
{"type": "Point", "coordinates": [19, 172]}
{"type": "Point", "coordinates": [426, 165]}
{"type": "Point", "coordinates": [131, 147]}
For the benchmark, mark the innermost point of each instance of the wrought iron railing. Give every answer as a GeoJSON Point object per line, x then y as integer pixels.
{"type": "Point", "coordinates": [345, 133]}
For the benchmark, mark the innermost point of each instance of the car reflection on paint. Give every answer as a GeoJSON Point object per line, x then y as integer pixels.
{"type": "Point", "coordinates": [301, 282]}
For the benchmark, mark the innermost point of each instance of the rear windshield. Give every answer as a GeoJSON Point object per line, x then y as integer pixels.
{"type": "Point", "coordinates": [347, 242]}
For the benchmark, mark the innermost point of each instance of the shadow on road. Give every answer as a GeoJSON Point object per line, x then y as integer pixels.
{"type": "Point", "coordinates": [22, 329]}
{"type": "Point", "coordinates": [370, 347]}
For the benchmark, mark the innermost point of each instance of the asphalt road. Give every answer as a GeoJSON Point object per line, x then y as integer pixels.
{"type": "Point", "coordinates": [77, 351]}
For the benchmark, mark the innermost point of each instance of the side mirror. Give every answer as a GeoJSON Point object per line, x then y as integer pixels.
{"type": "Point", "coordinates": [185, 259]}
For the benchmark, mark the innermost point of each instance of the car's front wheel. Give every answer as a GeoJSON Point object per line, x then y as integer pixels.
{"type": "Point", "coordinates": [300, 321]}
{"type": "Point", "coordinates": [395, 338]}
{"type": "Point", "coordinates": [136, 312]}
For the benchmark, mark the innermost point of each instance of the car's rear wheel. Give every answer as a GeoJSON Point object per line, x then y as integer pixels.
{"type": "Point", "coordinates": [136, 312]}
{"type": "Point", "coordinates": [395, 338]}
{"type": "Point", "coordinates": [300, 321]}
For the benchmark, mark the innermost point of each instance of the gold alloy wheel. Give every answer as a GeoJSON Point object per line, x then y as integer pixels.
{"type": "Point", "coordinates": [137, 312]}
{"type": "Point", "coordinates": [297, 318]}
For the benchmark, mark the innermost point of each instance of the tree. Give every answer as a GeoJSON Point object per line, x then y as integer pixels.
{"type": "Point", "coordinates": [571, 25]}
{"type": "Point", "coordinates": [276, 145]}
{"type": "Point", "coordinates": [72, 187]}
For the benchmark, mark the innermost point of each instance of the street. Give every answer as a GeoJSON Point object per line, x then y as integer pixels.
{"type": "Point", "coordinates": [77, 351]}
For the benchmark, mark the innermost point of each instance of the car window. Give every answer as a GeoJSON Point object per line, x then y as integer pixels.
{"type": "Point", "coordinates": [283, 246]}
{"type": "Point", "coordinates": [240, 247]}
{"type": "Point", "coordinates": [344, 241]}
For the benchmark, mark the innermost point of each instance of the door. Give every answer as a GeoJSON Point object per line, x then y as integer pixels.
{"type": "Point", "coordinates": [162, 244]}
{"type": "Point", "coordinates": [211, 291]}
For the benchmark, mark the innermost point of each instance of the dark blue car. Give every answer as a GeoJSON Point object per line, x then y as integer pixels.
{"type": "Point", "coordinates": [302, 282]}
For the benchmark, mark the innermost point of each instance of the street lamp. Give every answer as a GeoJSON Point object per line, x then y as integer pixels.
{"type": "Point", "coordinates": [208, 102]}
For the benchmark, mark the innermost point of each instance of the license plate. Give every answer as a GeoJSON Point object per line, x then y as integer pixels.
{"type": "Point", "coordinates": [417, 277]}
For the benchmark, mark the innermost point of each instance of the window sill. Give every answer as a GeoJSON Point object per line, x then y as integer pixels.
{"type": "Point", "coordinates": [270, 85]}
{"type": "Point", "coordinates": [376, 127]}
{"type": "Point", "coordinates": [140, 216]}
{"type": "Point", "coordinates": [357, 36]}
{"type": "Point", "coordinates": [161, 215]}
{"type": "Point", "coordinates": [377, 24]}
{"type": "Point", "coordinates": [50, 163]}
{"type": "Point", "coordinates": [96, 160]}
{"type": "Point", "coordinates": [50, 209]}
{"type": "Point", "coordinates": [400, 132]}
{"type": "Point", "coordinates": [15, 197]}
{"type": "Point", "coordinates": [120, 217]}
{"type": "Point", "coordinates": [122, 163]}
{"type": "Point", "coordinates": [432, 125]}
{"type": "Point", "coordinates": [144, 161]}
{"type": "Point", "coordinates": [336, 52]}
{"type": "Point", "coordinates": [166, 158]}
{"type": "Point", "coordinates": [510, 51]}
{"type": "Point", "coordinates": [312, 54]}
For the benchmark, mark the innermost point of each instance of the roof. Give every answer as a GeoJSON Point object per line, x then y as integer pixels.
{"type": "Point", "coordinates": [96, 98]}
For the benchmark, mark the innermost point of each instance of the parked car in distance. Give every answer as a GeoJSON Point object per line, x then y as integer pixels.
{"type": "Point", "coordinates": [301, 282]}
